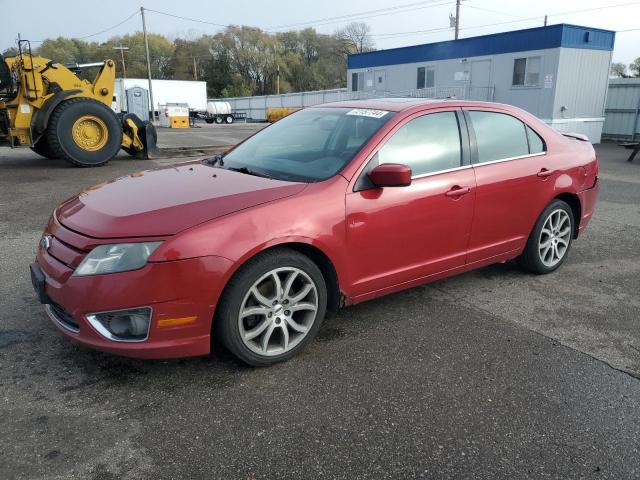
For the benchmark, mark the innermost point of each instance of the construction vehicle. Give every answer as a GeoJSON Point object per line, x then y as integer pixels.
{"type": "Point", "coordinates": [46, 106]}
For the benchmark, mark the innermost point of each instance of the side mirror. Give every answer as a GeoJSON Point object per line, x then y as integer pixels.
{"type": "Point", "coordinates": [391, 175]}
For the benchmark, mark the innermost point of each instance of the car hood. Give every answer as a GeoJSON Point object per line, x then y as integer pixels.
{"type": "Point", "coordinates": [167, 200]}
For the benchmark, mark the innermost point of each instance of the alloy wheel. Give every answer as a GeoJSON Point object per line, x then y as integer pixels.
{"type": "Point", "coordinates": [278, 311]}
{"type": "Point", "coordinates": [554, 237]}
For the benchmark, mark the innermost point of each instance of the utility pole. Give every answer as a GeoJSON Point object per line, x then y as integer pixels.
{"type": "Point", "coordinates": [146, 48]}
{"type": "Point", "coordinates": [457, 18]}
{"type": "Point", "coordinates": [545, 20]}
{"type": "Point", "coordinates": [195, 69]}
{"type": "Point", "coordinates": [124, 68]}
{"type": "Point", "coordinates": [278, 81]}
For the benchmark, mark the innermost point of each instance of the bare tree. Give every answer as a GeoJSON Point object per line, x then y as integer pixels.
{"type": "Point", "coordinates": [356, 38]}
{"type": "Point", "coordinates": [635, 67]}
{"type": "Point", "coordinates": [619, 69]}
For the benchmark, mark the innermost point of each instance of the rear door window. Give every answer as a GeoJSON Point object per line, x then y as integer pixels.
{"type": "Point", "coordinates": [498, 136]}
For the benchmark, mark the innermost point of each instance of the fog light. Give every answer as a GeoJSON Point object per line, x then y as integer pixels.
{"type": "Point", "coordinates": [123, 325]}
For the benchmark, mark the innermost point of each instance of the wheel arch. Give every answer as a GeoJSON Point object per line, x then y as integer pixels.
{"type": "Point", "coordinates": [40, 119]}
{"type": "Point", "coordinates": [576, 208]}
{"type": "Point", "coordinates": [313, 252]}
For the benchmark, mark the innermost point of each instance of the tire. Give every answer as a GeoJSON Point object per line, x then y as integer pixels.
{"type": "Point", "coordinates": [218, 120]}
{"type": "Point", "coordinates": [64, 135]}
{"type": "Point", "coordinates": [270, 320]}
{"type": "Point", "coordinates": [550, 241]}
{"type": "Point", "coordinates": [43, 149]}
{"type": "Point", "coordinates": [208, 120]}
{"type": "Point", "coordinates": [228, 119]}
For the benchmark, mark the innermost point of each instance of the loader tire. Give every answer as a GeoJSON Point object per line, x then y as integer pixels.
{"type": "Point", "coordinates": [43, 149]}
{"type": "Point", "coordinates": [84, 132]}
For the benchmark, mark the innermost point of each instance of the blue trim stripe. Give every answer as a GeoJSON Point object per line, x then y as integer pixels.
{"type": "Point", "coordinates": [553, 36]}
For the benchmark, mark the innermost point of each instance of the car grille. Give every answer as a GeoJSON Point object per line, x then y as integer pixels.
{"type": "Point", "coordinates": [67, 254]}
{"type": "Point", "coordinates": [63, 317]}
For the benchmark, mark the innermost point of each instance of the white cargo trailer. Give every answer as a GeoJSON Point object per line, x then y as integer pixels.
{"type": "Point", "coordinates": [191, 92]}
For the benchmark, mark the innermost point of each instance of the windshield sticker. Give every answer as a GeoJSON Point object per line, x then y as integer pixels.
{"type": "Point", "coordinates": [366, 112]}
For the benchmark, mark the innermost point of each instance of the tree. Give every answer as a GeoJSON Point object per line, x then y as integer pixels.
{"type": "Point", "coordinates": [10, 52]}
{"type": "Point", "coordinates": [619, 70]}
{"type": "Point", "coordinates": [356, 38]}
{"type": "Point", "coordinates": [238, 61]}
{"type": "Point", "coordinates": [635, 67]}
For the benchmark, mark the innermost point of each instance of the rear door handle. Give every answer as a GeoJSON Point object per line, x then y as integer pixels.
{"type": "Point", "coordinates": [457, 191]}
{"type": "Point", "coordinates": [544, 173]}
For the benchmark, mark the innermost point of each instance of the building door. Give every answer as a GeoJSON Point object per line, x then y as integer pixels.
{"type": "Point", "coordinates": [380, 80]}
{"type": "Point", "coordinates": [480, 86]}
{"type": "Point", "coordinates": [138, 102]}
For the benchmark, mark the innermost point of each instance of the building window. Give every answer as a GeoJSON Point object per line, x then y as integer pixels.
{"type": "Point", "coordinates": [526, 71]}
{"type": "Point", "coordinates": [426, 77]}
{"type": "Point", "coordinates": [354, 82]}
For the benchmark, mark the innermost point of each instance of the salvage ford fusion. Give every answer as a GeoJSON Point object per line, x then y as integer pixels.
{"type": "Point", "coordinates": [332, 205]}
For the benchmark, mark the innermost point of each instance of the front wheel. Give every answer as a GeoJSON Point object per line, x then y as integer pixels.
{"type": "Point", "coordinates": [272, 308]}
{"type": "Point", "coordinates": [84, 132]}
{"type": "Point", "coordinates": [549, 243]}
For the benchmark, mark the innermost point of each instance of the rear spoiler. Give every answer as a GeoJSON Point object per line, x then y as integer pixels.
{"type": "Point", "coordinates": [577, 136]}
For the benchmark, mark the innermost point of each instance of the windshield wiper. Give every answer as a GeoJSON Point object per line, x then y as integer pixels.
{"type": "Point", "coordinates": [249, 171]}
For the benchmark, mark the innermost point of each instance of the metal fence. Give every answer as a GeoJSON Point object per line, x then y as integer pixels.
{"type": "Point", "coordinates": [622, 110]}
{"type": "Point", "coordinates": [256, 107]}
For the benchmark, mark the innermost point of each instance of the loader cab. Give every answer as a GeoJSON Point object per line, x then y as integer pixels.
{"type": "Point", "coordinates": [8, 89]}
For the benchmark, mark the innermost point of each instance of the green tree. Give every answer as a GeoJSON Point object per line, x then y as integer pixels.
{"type": "Point", "coordinates": [238, 61]}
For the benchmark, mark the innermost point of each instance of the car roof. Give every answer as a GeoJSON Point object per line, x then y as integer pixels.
{"type": "Point", "coordinates": [399, 104]}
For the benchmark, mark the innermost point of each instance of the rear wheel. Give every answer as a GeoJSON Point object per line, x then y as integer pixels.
{"type": "Point", "coordinates": [218, 120]}
{"type": "Point", "coordinates": [549, 243]}
{"type": "Point", "coordinates": [84, 132]}
{"type": "Point", "coordinates": [272, 308]}
{"type": "Point", "coordinates": [228, 119]}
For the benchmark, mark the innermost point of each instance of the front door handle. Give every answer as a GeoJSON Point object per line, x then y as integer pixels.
{"type": "Point", "coordinates": [544, 173]}
{"type": "Point", "coordinates": [457, 191]}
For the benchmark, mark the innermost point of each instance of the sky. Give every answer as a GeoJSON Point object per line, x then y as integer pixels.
{"type": "Point", "coordinates": [394, 23]}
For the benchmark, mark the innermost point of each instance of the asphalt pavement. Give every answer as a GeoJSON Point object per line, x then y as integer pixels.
{"type": "Point", "coordinates": [493, 374]}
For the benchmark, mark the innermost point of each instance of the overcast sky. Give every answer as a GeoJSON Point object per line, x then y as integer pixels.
{"type": "Point", "coordinates": [389, 28]}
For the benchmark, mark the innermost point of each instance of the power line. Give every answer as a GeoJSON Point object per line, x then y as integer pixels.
{"type": "Point", "coordinates": [186, 18]}
{"type": "Point", "coordinates": [358, 15]}
{"type": "Point", "coordinates": [101, 31]}
{"type": "Point", "coordinates": [433, 30]}
{"type": "Point", "coordinates": [466, 5]}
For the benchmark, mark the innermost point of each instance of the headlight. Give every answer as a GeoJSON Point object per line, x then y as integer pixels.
{"type": "Point", "coordinates": [116, 258]}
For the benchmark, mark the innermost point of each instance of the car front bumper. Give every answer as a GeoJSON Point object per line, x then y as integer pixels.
{"type": "Point", "coordinates": [182, 295]}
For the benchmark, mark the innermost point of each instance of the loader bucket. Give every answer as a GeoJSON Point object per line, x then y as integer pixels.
{"type": "Point", "coordinates": [149, 138]}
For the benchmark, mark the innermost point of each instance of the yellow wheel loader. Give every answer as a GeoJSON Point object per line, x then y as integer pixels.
{"type": "Point", "coordinates": [46, 106]}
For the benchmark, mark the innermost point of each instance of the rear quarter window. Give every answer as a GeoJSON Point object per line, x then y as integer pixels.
{"type": "Point", "coordinates": [536, 144]}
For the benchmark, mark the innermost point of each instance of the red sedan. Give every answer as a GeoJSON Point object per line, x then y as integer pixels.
{"type": "Point", "coordinates": [331, 206]}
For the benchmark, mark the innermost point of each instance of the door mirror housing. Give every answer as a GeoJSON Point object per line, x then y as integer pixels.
{"type": "Point", "coordinates": [391, 175]}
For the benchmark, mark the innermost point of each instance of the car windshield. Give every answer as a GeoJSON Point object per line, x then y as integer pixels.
{"type": "Point", "coordinates": [307, 146]}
